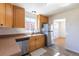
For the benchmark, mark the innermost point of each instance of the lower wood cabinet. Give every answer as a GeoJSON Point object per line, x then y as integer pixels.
{"type": "Point", "coordinates": [36, 42]}
{"type": "Point", "coordinates": [32, 44]}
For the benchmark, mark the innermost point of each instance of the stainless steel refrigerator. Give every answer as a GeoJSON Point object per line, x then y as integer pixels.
{"type": "Point", "coordinates": [48, 31]}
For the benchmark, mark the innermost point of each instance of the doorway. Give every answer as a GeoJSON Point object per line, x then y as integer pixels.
{"type": "Point", "coordinates": [59, 31]}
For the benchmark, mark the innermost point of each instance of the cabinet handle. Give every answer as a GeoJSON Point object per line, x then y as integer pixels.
{"type": "Point", "coordinates": [1, 24]}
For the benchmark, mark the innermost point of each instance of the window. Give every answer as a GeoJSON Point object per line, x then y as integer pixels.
{"type": "Point", "coordinates": [30, 24]}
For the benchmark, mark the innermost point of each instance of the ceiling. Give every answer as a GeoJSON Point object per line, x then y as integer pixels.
{"type": "Point", "coordinates": [47, 8]}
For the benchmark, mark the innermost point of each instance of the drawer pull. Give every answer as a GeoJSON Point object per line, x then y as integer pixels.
{"type": "Point", "coordinates": [1, 24]}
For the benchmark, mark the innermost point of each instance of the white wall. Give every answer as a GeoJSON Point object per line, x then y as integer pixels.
{"type": "Point", "coordinates": [72, 28]}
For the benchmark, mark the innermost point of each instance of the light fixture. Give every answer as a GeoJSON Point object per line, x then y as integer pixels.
{"type": "Point", "coordinates": [33, 12]}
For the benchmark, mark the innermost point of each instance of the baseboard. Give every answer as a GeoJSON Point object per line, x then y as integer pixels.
{"type": "Point", "coordinates": [71, 50]}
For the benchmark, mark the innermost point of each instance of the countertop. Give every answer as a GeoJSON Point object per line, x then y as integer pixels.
{"type": "Point", "coordinates": [18, 37]}
{"type": "Point", "coordinates": [26, 36]}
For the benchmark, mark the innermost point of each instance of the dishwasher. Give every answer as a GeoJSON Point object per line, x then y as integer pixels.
{"type": "Point", "coordinates": [23, 43]}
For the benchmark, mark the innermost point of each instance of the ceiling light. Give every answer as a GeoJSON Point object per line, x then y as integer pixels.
{"type": "Point", "coordinates": [35, 12]}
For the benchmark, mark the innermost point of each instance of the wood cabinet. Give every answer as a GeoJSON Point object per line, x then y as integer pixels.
{"type": "Point", "coordinates": [40, 41]}
{"type": "Point", "coordinates": [42, 20]}
{"type": "Point", "coordinates": [6, 15]}
{"type": "Point", "coordinates": [11, 16]}
{"type": "Point", "coordinates": [19, 17]}
{"type": "Point", "coordinates": [2, 14]}
{"type": "Point", "coordinates": [32, 44]}
{"type": "Point", "coordinates": [36, 42]}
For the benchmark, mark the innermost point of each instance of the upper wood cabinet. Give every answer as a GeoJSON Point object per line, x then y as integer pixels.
{"type": "Point", "coordinates": [11, 16]}
{"type": "Point", "coordinates": [19, 17]}
{"type": "Point", "coordinates": [42, 20]}
{"type": "Point", "coordinates": [2, 14]}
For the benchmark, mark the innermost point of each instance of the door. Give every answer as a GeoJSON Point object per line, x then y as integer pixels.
{"type": "Point", "coordinates": [52, 33]}
{"type": "Point", "coordinates": [19, 17]}
{"type": "Point", "coordinates": [20, 45]}
{"type": "Point", "coordinates": [59, 32]}
{"type": "Point", "coordinates": [25, 46]}
{"type": "Point", "coordinates": [9, 15]}
{"type": "Point", "coordinates": [32, 44]}
{"type": "Point", "coordinates": [56, 29]}
{"type": "Point", "coordinates": [52, 39]}
{"type": "Point", "coordinates": [2, 14]}
{"type": "Point", "coordinates": [40, 41]}
{"type": "Point", "coordinates": [59, 28]}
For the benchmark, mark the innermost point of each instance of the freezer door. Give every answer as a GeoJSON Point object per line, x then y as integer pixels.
{"type": "Point", "coordinates": [51, 27]}
{"type": "Point", "coordinates": [45, 27]}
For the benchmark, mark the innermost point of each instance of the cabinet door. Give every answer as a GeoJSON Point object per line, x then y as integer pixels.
{"type": "Point", "coordinates": [32, 44]}
{"type": "Point", "coordinates": [40, 42]}
{"type": "Point", "coordinates": [19, 17]}
{"type": "Point", "coordinates": [43, 19]}
{"type": "Point", "coordinates": [9, 15]}
{"type": "Point", "coordinates": [2, 14]}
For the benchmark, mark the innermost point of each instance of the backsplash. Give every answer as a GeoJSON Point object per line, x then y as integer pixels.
{"type": "Point", "coordinates": [7, 31]}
